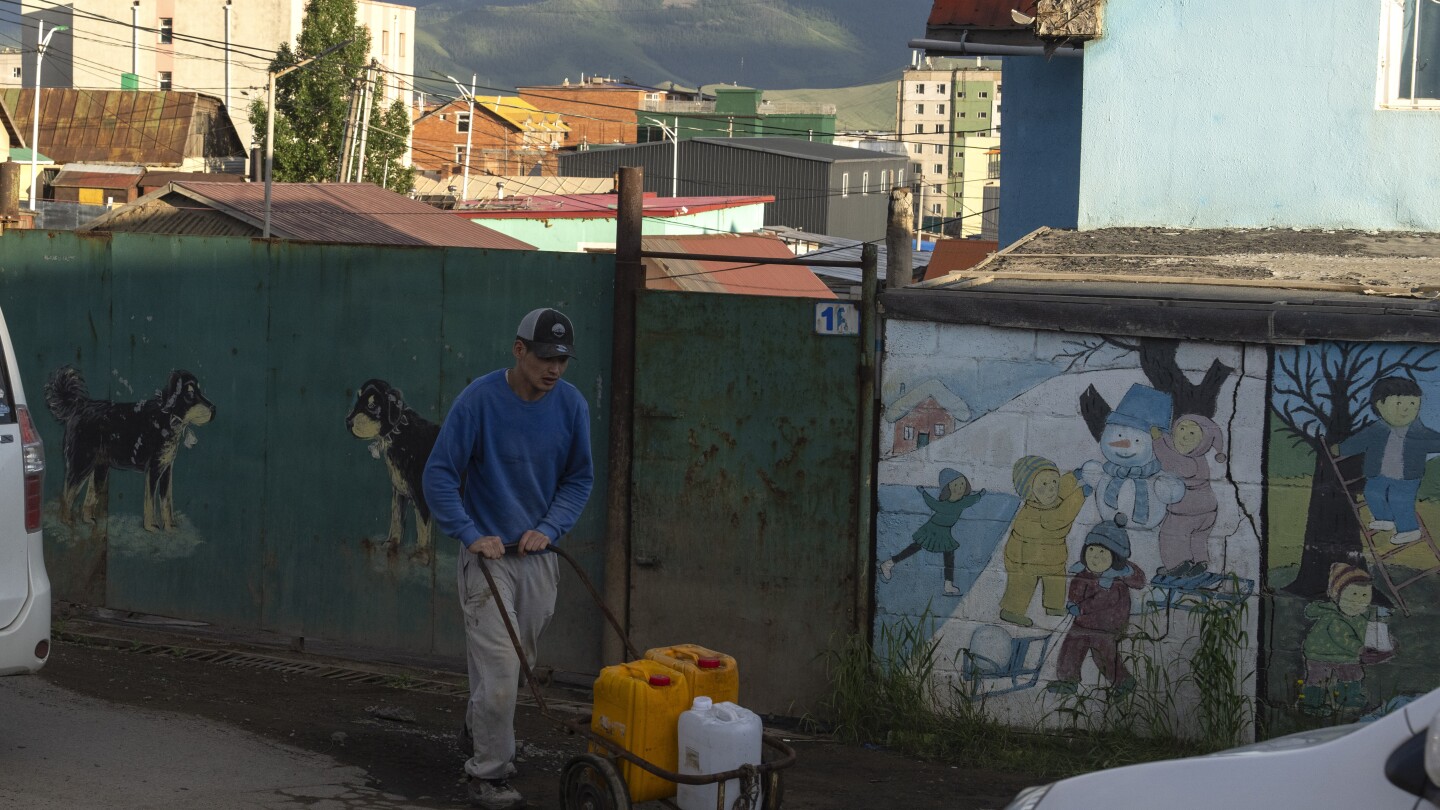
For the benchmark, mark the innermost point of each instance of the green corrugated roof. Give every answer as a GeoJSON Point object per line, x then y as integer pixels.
{"type": "Point", "coordinates": [23, 156]}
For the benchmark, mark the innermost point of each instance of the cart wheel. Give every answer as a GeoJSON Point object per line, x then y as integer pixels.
{"type": "Point", "coordinates": [590, 782]}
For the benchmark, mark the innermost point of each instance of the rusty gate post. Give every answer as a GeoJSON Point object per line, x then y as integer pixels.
{"type": "Point", "coordinates": [629, 279]}
{"type": "Point", "coordinates": [865, 447]}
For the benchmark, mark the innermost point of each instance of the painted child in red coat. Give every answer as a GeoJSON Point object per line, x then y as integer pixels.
{"type": "Point", "coordinates": [1100, 602]}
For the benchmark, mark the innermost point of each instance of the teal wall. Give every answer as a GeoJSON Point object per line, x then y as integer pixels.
{"type": "Point", "coordinates": [282, 514]}
{"type": "Point", "coordinates": [570, 235]}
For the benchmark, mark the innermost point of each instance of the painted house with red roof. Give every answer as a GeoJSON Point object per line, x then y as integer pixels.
{"type": "Point", "coordinates": [574, 223]}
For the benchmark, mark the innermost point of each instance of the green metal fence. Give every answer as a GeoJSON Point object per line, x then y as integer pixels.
{"type": "Point", "coordinates": [282, 515]}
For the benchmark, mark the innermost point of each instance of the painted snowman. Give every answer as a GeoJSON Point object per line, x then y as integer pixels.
{"type": "Point", "coordinates": [1130, 480]}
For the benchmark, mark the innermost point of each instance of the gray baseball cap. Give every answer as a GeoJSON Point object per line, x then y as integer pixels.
{"type": "Point", "coordinates": [548, 332]}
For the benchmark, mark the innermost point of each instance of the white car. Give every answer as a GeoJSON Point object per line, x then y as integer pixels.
{"type": "Point", "coordinates": [1391, 763]}
{"type": "Point", "coordinates": [24, 585]}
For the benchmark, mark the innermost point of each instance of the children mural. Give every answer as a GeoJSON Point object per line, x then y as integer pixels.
{"type": "Point", "coordinates": [1101, 461]}
{"type": "Point", "coordinates": [1125, 485]}
{"type": "Point", "coordinates": [1351, 494]}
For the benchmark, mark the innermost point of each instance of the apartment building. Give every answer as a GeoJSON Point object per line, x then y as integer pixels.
{"type": "Point", "coordinates": [221, 48]}
{"type": "Point", "coordinates": [948, 118]}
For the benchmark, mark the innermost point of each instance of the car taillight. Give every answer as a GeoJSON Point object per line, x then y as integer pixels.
{"type": "Point", "coordinates": [33, 453]}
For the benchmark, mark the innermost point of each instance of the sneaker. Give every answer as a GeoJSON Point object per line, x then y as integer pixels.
{"type": "Point", "coordinates": [1405, 537]}
{"type": "Point", "coordinates": [493, 794]}
{"type": "Point", "coordinates": [1382, 525]}
{"type": "Point", "coordinates": [951, 590]}
{"type": "Point", "coordinates": [1016, 618]}
{"type": "Point", "coordinates": [885, 569]}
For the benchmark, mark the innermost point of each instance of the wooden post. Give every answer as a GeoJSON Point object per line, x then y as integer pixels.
{"type": "Point", "coordinates": [897, 239]}
{"type": "Point", "coordinates": [629, 280]}
{"type": "Point", "coordinates": [864, 550]}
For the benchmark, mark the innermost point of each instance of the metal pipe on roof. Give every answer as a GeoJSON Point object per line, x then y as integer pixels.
{"type": "Point", "coordinates": [940, 47]}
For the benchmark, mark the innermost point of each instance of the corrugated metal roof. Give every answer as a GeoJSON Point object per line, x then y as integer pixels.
{"type": "Point", "coordinates": [838, 248]}
{"type": "Point", "coordinates": [346, 213]}
{"type": "Point", "coordinates": [119, 126]}
{"type": "Point", "coordinates": [602, 206]}
{"type": "Point", "coordinates": [482, 187]}
{"type": "Point", "coordinates": [741, 278]}
{"type": "Point", "coordinates": [795, 147]}
{"type": "Point", "coordinates": [111, 180]}
{"type": "Point", "coordinates": [987, 14]}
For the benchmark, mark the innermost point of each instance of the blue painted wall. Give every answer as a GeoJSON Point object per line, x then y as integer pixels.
{"type": "Point", "coordinates": [1040, 145]}
{"type": "Point", "coordinates": [1231, 114]}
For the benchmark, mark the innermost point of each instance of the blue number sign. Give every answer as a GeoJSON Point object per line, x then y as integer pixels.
{"type": "Point", "coordinates": [834, 318]}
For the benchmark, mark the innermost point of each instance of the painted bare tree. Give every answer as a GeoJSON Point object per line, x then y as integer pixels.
{"type": "Point", "coordinates": [1321, 395]}
{"type": "Point", "coordinates": [1157, 361]}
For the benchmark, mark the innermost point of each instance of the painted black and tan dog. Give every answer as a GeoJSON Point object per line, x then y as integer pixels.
{"type": "Point", "coordinates": [142, 436]}
{"type": "Point", "coordinates": [404, 439]}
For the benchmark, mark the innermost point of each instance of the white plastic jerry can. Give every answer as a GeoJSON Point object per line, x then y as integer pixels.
{"type": "Point", "coordinates": [715, 738]}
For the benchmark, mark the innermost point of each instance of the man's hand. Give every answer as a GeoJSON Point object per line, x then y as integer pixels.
{"type": "Point", "coordinates": [491, 548]}
{"type": "Point", "coordinates": [533, 541]}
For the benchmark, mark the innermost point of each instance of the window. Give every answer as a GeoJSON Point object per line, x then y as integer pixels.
{"type": "Point", "coordinates": [940, 109]}
{"type": "Point", "coordinates": [919, 109]}
{"type": "Point", "coordinates": [909, 433]}
{"type": "Point", "coordinates": [939, 148]}
{"type": "Point", "coordinates": [984, 94]}
{"type": "Point", "coordinates": [940, 88]}
{"type": "Point", "coordinates": [959, 94]}
{"type": "Point", "coordinates": [919, 89]}
{"type": "Point", "coordinates": [919, 128]}
{"type": "Point", "coordinates": [460, 154]}
{"type": "Point", "coordinates": [384, 43]}
{"type": "Point", "coordinates": [919, 147]}
{"type": "Point", "coordinates": [939, 127]}
{"type": "Point", "coordinates": [845, 185]}
{"type": "Point", "coordinates": [939, 430]}
{"type": "Point", "coordinates": [167, 30]}
{"type": "Point", "coordinates": [165, 80]}
{"type": "Point", "coordinates": [937, 189]}
{"type": "Point", "coordinates": [984, 114]}
{"type": "Point", "coordinates": [864, 182]}
{"type": "Point", "coordinates": [15, 73]}
{"type": "Point", "coordinates": [462, 121]}
{"type": "Point", "coordinates": [939, 168]}
{"type": "Point", "coordinates": [899, 177]}
{"type": "Point", "coordinates": [916, 167]}
{"type": "Point", "coordinates": [994, 173]}
{"type": "Point", "coordinates": [960, 153]}
{"type": "Point", "coordinates": [402, 43]}
{"type": "Point", "coordinates": [1410, 53]}
{"type": "Point", "coordinates": [936, 209]}
{"type": "Point", "coordinates": [883, 177]}
{"type": "Point", "coordinates": [960, 114]}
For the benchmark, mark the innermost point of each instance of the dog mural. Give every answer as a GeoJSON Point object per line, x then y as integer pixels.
{"type": "Point", "coordinates": [404, 439]}
{"type": "Point", "coordinates": [142, 436]}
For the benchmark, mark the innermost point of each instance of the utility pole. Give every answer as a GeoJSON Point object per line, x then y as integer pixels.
{"type": "Point", "coordinates": [42, 44]}
{"type": "Point", "coordinates": [347, 142]}
{"type": "Point", "coordinates": [898, 264]}
{"type": "Point", "coordinates": [629, 281]}
{"type": "Point", "coordinates": [271, 77]}
{"type": "Point", "coordinates": [469, 132]}
{"type": "Point", "coordinates": [365, 120]}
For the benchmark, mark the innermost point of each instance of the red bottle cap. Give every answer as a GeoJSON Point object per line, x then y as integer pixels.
{"type": "Point", "coordinates": [708, 663]}
{"type": "Point", "coordinates": [659, 680]}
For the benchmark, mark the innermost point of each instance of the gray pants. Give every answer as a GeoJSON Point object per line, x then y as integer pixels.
{"type": "Point", "coordinates": [527, 590]}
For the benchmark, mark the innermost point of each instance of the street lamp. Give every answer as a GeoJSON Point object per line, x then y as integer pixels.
{"type": "Point", "coordinates": [469, 130]}
{"type": "Point", "coordinates": [674, 135]}
{"type": "Point", "coordinates": [272, 75]}
{"type": "Point", "coordinates": [35, 119]}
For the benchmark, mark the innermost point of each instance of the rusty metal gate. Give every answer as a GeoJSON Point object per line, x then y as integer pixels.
{"type": "Point", "coordinates": [750, 524]}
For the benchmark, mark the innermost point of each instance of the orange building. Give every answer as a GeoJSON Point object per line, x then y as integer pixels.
{"type": "Point", "coordinates": [599, 111]}
{"type": "Point", "coordinates": [509, 137]}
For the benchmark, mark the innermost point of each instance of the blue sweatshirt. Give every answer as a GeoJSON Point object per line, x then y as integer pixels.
{"type": "Point", "coordinates": [525, 465]}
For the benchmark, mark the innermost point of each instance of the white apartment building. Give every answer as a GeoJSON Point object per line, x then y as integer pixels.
{"type": "Point", "coordinates": [218, 47]}
{"type": "Point", "coordinates": [948, 117]}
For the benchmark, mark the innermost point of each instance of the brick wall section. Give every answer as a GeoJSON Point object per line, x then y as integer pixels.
{"type": "Point", "coordinates": [596, 115]}
{"type": "Point", "coordinates": [495, 146]}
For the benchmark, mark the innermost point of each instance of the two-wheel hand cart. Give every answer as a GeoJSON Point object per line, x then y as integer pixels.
{"type": "Point", "coordinates": [592, 781]}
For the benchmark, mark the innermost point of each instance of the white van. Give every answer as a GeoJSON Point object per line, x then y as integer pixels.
{"type": "Point", "coordinates": [1392, 763]}
{"type": "Point", "coordinates": [24, 585]}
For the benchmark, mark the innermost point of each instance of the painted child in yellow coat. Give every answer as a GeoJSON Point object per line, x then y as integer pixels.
{"type": "Point", "coordinates": [1035, 551]}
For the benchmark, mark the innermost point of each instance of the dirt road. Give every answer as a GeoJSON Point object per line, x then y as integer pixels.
{"type": "Point", "coordinates": [404, 739]}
